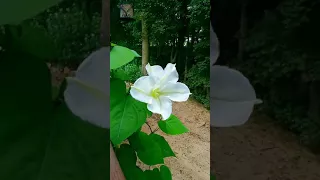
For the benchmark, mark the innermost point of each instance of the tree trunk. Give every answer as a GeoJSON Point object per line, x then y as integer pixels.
{"type": "Point", "coordinates": [115, 170]}
{"type": "Point", "coordinates": [243, 30]}
{"type": "Point", "coordinates": [105, 24]}
{"type": "Point", "coordinates": [145, 46]}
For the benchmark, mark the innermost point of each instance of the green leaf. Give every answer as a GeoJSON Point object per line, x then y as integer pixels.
{"type": "Point", "coordinates": [165, 147]}
{"type": "Point", "coordinates": [77, 150]}
{"type": "Point", "coordinates": [165, 173]}
{"type": "Point", "coordinates": [55, 92]}
{"type": "Point", "coordinates": [149, 113]}
{"type": "Point", "coordinates": [212, 177]}
{"type": "Point", "coordinates": [120, 56]}
{"type": "Point", "coordinates": [172, 126]}
{"type": "Point", "coordinates": [35, 41]}
{"type": "Point", "coordinates": [127, 159]}
{"type": "Point", "coordinates": [126, 113]}
{"type": "Point", "coordinates": [37, 141]}
{"type": "Point", "coordinates": [120, 74]}
{"type": "Point", "coordinates": [135, 53]}
{"type": "Point", "coordinates": [126, 156]}
{"type": "Point", "coordinates": [148, 150]}
{"type": "Point", "coordinates": [153, 174]}
{"type": "Point", "coordinates": [15, 11]}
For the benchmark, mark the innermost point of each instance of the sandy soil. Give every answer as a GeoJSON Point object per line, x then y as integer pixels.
{"type": "Point", "coordinates": [192, 149]}
{"type": "Point", "coordinates": [260, 151]}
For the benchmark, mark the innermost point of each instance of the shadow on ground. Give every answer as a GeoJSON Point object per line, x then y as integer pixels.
{"type": "Point", "coordinates": [260, 151]}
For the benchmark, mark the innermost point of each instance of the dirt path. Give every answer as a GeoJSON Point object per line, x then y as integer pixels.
{"type": "Point", "coordinates": [260, 151]}
{"type": "Point", "coordinates": [193, 148]}
{"type": "Point", "coordinates": [256, 151]}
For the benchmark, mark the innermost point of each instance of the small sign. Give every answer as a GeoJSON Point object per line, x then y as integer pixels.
{"type": "Point", "coordinates": [126, 11]}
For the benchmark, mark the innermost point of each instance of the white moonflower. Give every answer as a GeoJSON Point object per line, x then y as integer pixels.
{"type": "Point", "coordinates": [159, 89]}
{"type": "Point", "coordinates": [87, 94]}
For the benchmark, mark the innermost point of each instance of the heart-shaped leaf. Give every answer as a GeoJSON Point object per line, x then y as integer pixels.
{"type": "Point", "coordinates": [172, 126]}
{"type": "Point", "coordinates": [39, 141]}
{"type": "Point", "coordinates": [120, 56]}
{"type": "Point", "coordinates": [126, 114]}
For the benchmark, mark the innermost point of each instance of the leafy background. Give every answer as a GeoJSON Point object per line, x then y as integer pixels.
{"type": "Point", "coordinates": [277, 42]}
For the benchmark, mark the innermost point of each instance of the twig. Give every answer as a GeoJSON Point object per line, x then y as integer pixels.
{"type": "Point", "coordinates": [149, 127]}
{"type": "Point", "coordinates": [155, 130]}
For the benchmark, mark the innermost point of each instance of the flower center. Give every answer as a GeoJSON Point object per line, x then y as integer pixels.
{"type": "Point", "coordinates": [155, 93]}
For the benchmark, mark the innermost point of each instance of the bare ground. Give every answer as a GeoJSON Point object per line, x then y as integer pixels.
{"type": "Point", "coordinates": [258, 150]}
{"type": "Point", "coordinates": [192, 149]}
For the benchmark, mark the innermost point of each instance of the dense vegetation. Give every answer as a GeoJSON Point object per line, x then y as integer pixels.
{"type": "Point", "coordinates": [175, 31]}
{"type": "Point", "coordinates": [274, 43]}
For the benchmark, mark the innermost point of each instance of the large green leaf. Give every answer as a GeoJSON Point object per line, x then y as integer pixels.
{"type": "Point", "coordinates": [126, 113]}
{"type": "Point", "coordinates": [120, 74]}
{"type": "Point", "coordinates": [165, 147]}
{"type": "Point", "coordinates": [153, 174]}
{"type": "Point", "coordinates": [41, 142]}
{"type": "Point", "coordinates": [15, 11]}
{"type": "Point", "coordinates": [120, 56]}
{"type": "Point", "coordinates": [172, 126]}
{"type": "Point", "coordinates": [148, 150]}
{"type": "Point", "coordinates": [127, 159]}
{"type": "Point", "coordinates": [163, 174]}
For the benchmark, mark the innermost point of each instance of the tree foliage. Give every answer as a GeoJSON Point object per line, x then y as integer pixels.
{"type": "Point", "coordinates": [281, 59]}
{"type": "Point", "coordinates": [178, 33]}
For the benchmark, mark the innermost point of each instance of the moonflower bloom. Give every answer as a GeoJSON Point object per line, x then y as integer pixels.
{"type": "Point", "coordinates": [159, 89]}
{"type": "Point", "coordinates": [232, 97]}
{"type": "Point", "coordinates": [86, 94]}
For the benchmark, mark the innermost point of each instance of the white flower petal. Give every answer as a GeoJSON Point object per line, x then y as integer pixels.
{"type": "Point", "coordinates": [166, 107]}
{"type": "Point", "coordinates": [154, 106]}
{"type": "Point", "coordinates": [155, 71]}
{"type": "Point", "coordinates": [141, 89]}
{"type": "Point", "coordinates": [178, 92]}
{"type": "Point", "coordinates": [162, 105]}
{"type": "Point", "coordinates": [228, 114]}
{"type": "Point", "coordinates": [94, 69]}
{"type": "Point", "coordinates": [85, 104]}
{"type": "Point", "coordinates": [170, 75]}
{"type": "Point", "coordinates": [214, 46]}
{"type": "Point", "coordinates": [232, 97]}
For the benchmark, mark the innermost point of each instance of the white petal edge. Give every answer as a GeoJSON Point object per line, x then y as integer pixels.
{"type": "Point", "coordinates": [155, 106]}
{"type": "Point", "coordinates": [214, 46]}
{"type": "Point", "coordinates": [94, 69]}
{"type": "Point", "coordinates": [141, 89]}
{"type": "Point", "coordinates": [86, 105]}
{"type": "Point", "coordinates": [155, 71]}
{"type": "Point", "coordinates": [170, 74]}
{"type": "Point", "coordinates": [165, 105]}
{"type": "Point", "coordinates": [229, 114]}
{"type": "Point", "coordinates": [177, 92]}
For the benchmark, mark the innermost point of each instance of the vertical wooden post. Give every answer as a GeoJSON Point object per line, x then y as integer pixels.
{"type": "Point", "coordinates": [105, 24]}
{"type": "Point", "coordinates": [145, 46]}
{"type": "Point", "coordinates": [115, 170]}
